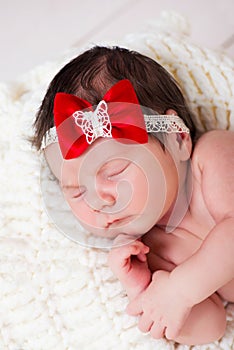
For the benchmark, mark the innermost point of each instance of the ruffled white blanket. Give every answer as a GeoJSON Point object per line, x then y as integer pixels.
{"type": "Point", "coordinates": [54, 293]}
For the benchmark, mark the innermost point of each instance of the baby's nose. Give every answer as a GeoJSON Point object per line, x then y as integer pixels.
{"type": "Point", "coordinates": [108, 198]}
{"type": "Point", "coordinates": [102, 201]}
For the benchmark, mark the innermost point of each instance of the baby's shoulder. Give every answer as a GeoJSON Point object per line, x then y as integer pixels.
{"type": "Point", "coordinates": [214, 147]}
{"type": "Point", "coordinates": [213, 164]}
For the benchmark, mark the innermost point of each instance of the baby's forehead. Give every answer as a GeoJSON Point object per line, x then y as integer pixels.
{"type": "Point", "coordinates": [54, 158]}
{"type": "Point", "coordinates": [98, 156]}
{"type": "Point", "coordinates": [101, 152]}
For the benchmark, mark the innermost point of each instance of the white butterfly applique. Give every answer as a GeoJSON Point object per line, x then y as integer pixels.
{"type": "Point", "coordinates": [94, 124]}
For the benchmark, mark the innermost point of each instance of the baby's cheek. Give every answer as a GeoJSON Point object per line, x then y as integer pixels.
{"type": "Point", "coordinates": [149, 191]}
{"type": "Point", "coordinates": [81, 212]}
{"type": "Point", "coordinates": [140, 190]}
{"type": "Point", "coordinates": [91, 221]}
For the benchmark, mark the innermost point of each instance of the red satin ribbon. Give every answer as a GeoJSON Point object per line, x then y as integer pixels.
{"type": "Point", "coordinates": [125, 114]}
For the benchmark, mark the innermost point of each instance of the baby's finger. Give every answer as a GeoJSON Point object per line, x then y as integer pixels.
{"type": "Point", "coordinates": [135, 248]}
{"type": "Point", "coordinates": [145, 324]}
{"type": "Point", "coordinates": [172, 332]}
{"type": "Point", "coordinates": [142, 257]}
{"type": "Point", "coordinates": [157, 330]}
{"type": "Point", "coordinates": [120, 255]}
{"type": "Point", "coordinates": [144, 248]}
{"type": "Point", "coordinates": [134, 308]}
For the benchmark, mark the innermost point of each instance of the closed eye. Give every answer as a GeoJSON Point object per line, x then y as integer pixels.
{"type": "Point", "coordinates": [78, 194]}
{"type": "Point", "coordinates": [116, 168]}
{"type": "Point", "coordinates": [73, 192]}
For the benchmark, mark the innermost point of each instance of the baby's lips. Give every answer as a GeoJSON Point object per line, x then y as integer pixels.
{"type": "Point", "coordinates": [120, 221]}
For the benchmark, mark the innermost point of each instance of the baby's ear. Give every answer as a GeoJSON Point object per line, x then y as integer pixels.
{"type": "Point", "coordinates": [185, 145]}
{"type": "Point", "coordinates": [181, 143]}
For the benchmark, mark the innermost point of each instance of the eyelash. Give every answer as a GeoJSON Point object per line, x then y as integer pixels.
{"type": "Point", "coordinates": [82, 191]}
{"type": "Point", "coordinates": [79, 195]}
{"type": "Point", "coordinates": [117, 172]}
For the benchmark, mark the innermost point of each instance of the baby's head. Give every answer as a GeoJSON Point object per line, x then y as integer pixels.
{"type": "Point", "coordinates": [91, 74]}
{"type": "Point", "coordinates": [116, 187]}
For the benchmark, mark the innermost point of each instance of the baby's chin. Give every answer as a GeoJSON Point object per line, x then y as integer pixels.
{"type": "Point", "coordinates": [106, 232]}
{"type": "Point", "coordinates": [118, 238]}
{"type": "Point", "coordinates": [114, 233]}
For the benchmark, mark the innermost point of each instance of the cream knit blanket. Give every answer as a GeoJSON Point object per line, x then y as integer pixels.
{"type": "Point", "coordinates": [54, 293]}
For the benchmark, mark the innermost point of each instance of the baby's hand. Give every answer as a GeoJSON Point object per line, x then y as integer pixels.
{"type": "Point", "coordinates": [129, 264]}
{"type": "Point", "coordinates": [162, 307]}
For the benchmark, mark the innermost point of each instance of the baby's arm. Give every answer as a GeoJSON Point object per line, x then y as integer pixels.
{"type": "Point", "coordinates": [212, 266]}
{"type": "Point", "coordinates": [129, 264]}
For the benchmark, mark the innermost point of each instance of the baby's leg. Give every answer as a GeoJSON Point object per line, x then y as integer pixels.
{"type": "Point", "coordinates": [206, 323]}
{"type": "Point", "coordinates": [227, 292]}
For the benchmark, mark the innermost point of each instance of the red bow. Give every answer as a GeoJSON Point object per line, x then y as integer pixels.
{"type": "Point", "coordinates": [126, 120]}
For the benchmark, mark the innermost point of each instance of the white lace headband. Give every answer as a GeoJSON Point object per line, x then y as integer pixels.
{"type": "Point", "coordinates": [153, 123]}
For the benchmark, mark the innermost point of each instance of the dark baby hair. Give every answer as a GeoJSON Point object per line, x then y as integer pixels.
{"type": "Point", "coordinates": [91, 74]}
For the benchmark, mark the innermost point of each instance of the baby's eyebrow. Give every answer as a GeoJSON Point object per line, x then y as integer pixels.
{"type": "Point", "coordinates": [64, 186]}
{"type": "Point", "coordinates": [111, 162]}
{"type": "Point", "coordinates": [104, 167]}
